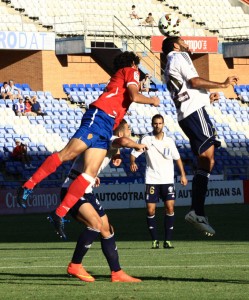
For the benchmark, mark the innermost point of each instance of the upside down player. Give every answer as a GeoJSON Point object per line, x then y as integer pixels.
{"type": "Point", "coordinates": [94, 134]}
{"type": "Point", "coordinates": [189, 94]}
{"type": "Point", "coordinates": [89, 211]}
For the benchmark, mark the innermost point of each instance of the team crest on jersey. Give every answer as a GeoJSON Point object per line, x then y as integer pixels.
{"type": "Point", "coordinates": [90, 136]}
{"type": "Point", "coordinates": [136, 76]}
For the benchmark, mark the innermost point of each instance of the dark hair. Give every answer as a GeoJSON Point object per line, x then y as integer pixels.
{"type": "Point", "coordinates": [124, 60]}
{"type": "Point", "coordinates": [5, 82]}
{"type": "Point", "coordinates": [120, 127]}
{"type": "Point", "coordinates": [168, 44]}
{"type": "Point", "coordinates": [157, 116]}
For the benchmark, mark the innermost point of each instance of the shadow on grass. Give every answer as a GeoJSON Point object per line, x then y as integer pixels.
{"type": "Point", "coordinates": [36, 277]}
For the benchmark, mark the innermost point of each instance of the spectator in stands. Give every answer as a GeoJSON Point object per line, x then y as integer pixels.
{"type": "Point", "coordinates": [20, 107]}
{"type": "Point", "coordinates": [189, 94]}
{"type": "Point", "coordinates": [13, 88]}
{"type": "Point", "coordinates": [134, 15]}
{"type": "Point", "coordinates": [20, 154]}
{"type": "Point", "coordinates": [6, 91]}
{"type": "Point", "coordinates": [159, 178]}
{"type": "Point", "coordinates": [90, 212]}
{"type": "Point", "coordinates": [145, 83]}
{"type": "Point", "coordinates": [36, 107]}
{"type": "Point", "coordinates": [28, 107]}
{"type": "Point", "coordinates": [149, 20]}
{"type": "Point", "coordinates": [94, 134]}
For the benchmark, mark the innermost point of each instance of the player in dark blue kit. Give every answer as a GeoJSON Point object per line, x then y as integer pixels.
{"type": "Point", "coordinates": [90, 212]}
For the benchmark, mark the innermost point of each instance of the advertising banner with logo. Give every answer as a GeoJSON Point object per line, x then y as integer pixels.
{"type": "Point", "coordinates": [27, 40]}
{"type": "Point", "coordinates": [197, 44]}
{"type": "Point", "coordinates": [121, 196]}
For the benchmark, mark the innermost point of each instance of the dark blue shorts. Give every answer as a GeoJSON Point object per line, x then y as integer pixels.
{"type": "Point", "coordinates": [87, 198]}
{"type": "Point", "coordinates": [200, 131]}
{"type": "Point", "coordinates": [95, 129]}
{"type": "Point", "coordinates": [153, 192]}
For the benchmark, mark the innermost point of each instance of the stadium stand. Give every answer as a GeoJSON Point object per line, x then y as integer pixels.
{"type": "Point", "coordinates": [46, 134]}
{"type": "Point", "coordinates": [50, 133]}
{"type": "Point", "coordinates": [198, 18]}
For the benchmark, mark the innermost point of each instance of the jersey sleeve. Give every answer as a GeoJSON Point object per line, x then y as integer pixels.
{"type": "Point", "coordinates": [131, 76]}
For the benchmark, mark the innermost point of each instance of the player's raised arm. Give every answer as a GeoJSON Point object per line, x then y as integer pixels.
{"type": "Point", "coordinates": [140, 98]}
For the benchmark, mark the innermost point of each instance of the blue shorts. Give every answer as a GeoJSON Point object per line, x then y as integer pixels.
{"type": "Point", "coordinates": [200, 131]}
{"type": "Point", "coordinates": [87, 198]}
{"type": "Point", "coordinates": [95, 129]}
{"type": "Point", "coordinates": [153, 192]}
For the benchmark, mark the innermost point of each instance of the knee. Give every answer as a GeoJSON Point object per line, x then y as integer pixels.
{"type": "Point", "coordinates": [151, 211]}
{"type": "Point", "coordinates": [107, 231]}
{"type": "Point", "coordinates": [170, 210]}
{"type": "Point", "coordinates": [96, 224]}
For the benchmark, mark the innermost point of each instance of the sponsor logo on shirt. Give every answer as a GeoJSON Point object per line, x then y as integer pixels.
{"type": "Point", "coordinates": [136, 76]}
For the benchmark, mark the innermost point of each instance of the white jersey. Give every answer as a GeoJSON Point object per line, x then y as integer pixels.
{"type": "Point", "coordinates": [78, 166]}
{"type": "Point", "coordinates": [179, 70]}
{"type": "Point", "coordinates": [159, 159]}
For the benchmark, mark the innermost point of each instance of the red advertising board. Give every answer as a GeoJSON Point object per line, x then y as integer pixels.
{"type": "Point", "coordinates": [197, 44]}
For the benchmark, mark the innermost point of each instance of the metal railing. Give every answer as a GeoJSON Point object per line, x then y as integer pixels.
{"type": "Point", "coordinates": [118, 35]}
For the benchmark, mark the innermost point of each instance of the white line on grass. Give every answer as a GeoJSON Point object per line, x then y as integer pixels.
{"type": "Point", "coordinates": [134, 267]}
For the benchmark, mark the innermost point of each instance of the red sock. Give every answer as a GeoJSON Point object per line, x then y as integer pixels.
{"type": "Point", "coordinates": [47, 168]}
{"type": "Point", "coordinates": [74, 193]}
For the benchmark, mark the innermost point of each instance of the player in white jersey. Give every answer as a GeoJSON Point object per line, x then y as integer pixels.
{"type": "Point", "coordinates": [159, 178]}
{"type": "Point", "coordinates": [90, 212]}
{"type": "Point", "coordinates": [189, 94]}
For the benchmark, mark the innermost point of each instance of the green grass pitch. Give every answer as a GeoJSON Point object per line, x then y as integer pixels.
{"type": "Point", "coordinates": [34, 261]}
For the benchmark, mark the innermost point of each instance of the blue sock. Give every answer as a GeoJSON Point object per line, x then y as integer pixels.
{"type": "Point", "coordinates": [199, 190]}
{"type": "Point", "coordinates": [168, 226]}
{"type": "Point", "coordinates": [84, 242]}
{"type": "Point", "coordinates": [151, 222]}
{"type": "Point", "coordinates": [110, 251]}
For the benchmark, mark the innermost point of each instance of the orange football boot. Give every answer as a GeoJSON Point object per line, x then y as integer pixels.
{"type": "Point", "coordinates": [121, 276]}
{"type": "Point", "coordinates": [78, 271]}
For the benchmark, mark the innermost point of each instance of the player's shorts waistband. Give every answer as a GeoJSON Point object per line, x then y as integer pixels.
{"type": "Point", "coordinates": [93, 106]}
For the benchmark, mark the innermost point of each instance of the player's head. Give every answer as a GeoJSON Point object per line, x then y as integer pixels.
{"type": "Point", "coordinates": [157, 123]}
{"type": "Point", "coordinates": [125, 59]}
{"type": "Point", "coordinates": [123, 129]}
{"type": "Point", "coordinates": [174, 43]}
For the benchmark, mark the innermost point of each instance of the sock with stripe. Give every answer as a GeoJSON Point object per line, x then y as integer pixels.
{"type": "Point", "coordinates": [152, 226]}
{"type": "Point", "coordinates": [75, 191]}
{"type": "Point", "coordinates": [168, 226]}
{"type": "Point", "coordinates": [199, 190]}
{"type": "Point", "coordinates": [110, 251]}
{"type": "Point", "coordinates": [84, 242]}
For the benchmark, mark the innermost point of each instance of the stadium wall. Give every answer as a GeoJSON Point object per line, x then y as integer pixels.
{"type": "Point", "coordinates": [43, 70]}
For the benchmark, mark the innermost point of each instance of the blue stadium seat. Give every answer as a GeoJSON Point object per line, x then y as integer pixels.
{"type": "Point", "coordinates": [25, 87]}
{"type": "Point", "coordinates": [73, 87]}
{"type": "Point", "coordinates": [81, 87]}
